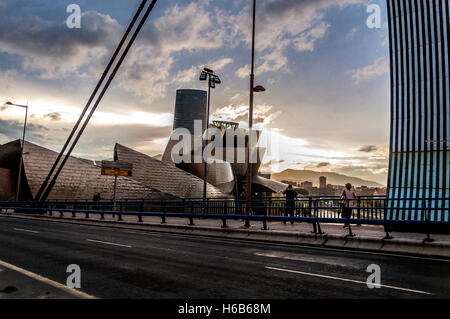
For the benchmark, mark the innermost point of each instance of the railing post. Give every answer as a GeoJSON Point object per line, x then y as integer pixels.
{"type": "Point", "coordinates": [358, 210]}
{"type": "Point", "coordinates": [191, 219]}
{"type": "Point", "coordinates": [163, 208]}
{"type": "Point", "coordinates": [428, 239]}
{"type": "Point", "coordinates": [224, 222]}
{"type": "Point", "coordinates": [350, 233]}
{"type": "Point", "coordinates": [388, 236]}
{"type": "Point", "coordinates": [265, 214]}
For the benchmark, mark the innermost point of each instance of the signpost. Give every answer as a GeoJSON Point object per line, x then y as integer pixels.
{"type": "Point", "coordinates": [117, 168]}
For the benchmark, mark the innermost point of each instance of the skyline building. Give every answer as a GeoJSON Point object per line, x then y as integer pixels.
{"type": "Point", "coordinates": [322, 182]}
{"type": "Point", "coordinates": [190, 105]}
{"type": "Point", "coordinates": [419, 66]}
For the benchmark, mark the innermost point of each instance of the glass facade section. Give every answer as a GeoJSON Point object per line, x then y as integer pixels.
{"type": "Point", "coordinates": [420, 113]}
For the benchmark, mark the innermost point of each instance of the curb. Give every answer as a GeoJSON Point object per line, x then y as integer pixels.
{"type": "Point", "coordinates": [363, 243]}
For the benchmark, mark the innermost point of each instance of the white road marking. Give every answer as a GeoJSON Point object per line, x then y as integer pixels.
{"type": "Point", "coordinates": [27, 230]}
{"type": "Point", "coordinates": [108, 243]}
{"type": "Point", "coordinates": [218, 239]}
{"type": "Point", "coordinates": [74, 292]}
{"type": "Point", "coordinates": [335, 261]}
{"type": "Point", "coordinates": [345, 279]}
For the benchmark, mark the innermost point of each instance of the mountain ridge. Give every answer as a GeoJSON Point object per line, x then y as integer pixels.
{"type": "Point", "coordinates": [313, 176]}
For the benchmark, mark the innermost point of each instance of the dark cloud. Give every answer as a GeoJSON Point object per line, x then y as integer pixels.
{"type": "Point", "coordinates": [14, 130]}
{"type": "Point", "coordinates": [368, 148]}
{"type": "Point", "coordinates": [38, 36]}
{"type": "Point", "coordinates": [323, 164]}
{"type": "Point", "coordinates": [52, 47]}
{"type": "Point", "coordinates": [55, 116]}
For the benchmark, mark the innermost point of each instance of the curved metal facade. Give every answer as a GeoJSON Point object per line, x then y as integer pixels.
{"type": "Point", "coordinates": [190, 105]}
{"type": "Point", "coordinates": [419, 153]}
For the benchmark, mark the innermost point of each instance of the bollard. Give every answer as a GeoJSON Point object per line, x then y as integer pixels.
{"type": "Point", "coordinates": [102, 216]}
{"type": "Point", "coordinates": [119, 217]}
{"type": "Point", "coordinates": [73, 214]}
{"type": "Point", "coordinates": [61, 214]}
{"type": "Point", "coordinates": [163, 219]}
{"type": "Point", "coordinates": [191, 221]}
{"type": "Point", "coordinates": [224, 223]}
{"type": "Point", "coordinates": [87, 214]}
{"type": "Point", "coordinates": [140, 218]}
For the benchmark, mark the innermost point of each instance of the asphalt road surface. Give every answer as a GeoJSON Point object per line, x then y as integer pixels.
{"type": "Point", "coordinates": [118, 263]}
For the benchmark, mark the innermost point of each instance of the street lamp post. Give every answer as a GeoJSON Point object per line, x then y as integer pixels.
{"type": "Point", "coordinates": [253, 89]}
{"type": "Point", "coordinates": [19, 178]}
{"type": "Point", "coordinates": [213, 79]}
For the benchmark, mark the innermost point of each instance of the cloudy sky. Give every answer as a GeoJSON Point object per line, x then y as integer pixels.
{"type": "Point", "coordinates": [325, 71]}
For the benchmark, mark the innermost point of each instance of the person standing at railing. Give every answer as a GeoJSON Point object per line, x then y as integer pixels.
{"type": "Point", "coordinates": [96, 198]}
{"type": "Point", "coordinates": [289, 207]}
{"type": "Point", "coordinates": [347, 204]}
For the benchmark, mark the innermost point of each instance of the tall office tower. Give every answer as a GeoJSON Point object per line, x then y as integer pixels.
{"type": "Point", "coordinates": [190, 105]}
{"type": "Point", "coordinates": [419, 153]}
{"type": "Point", "coordinates": [323, 182]}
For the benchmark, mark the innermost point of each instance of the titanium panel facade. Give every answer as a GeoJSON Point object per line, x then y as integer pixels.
{"type": "Point", "coordinates": [419, 153]}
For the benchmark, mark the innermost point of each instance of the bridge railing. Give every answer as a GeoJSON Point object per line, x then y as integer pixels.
{"type": "Point", "coordinates": [424, 213]}
{"type": "Point", "coordinates": [377, 208]}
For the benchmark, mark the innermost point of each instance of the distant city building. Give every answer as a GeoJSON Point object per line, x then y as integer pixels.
{"type": "Point", "coordinates": [190, 105]}
{"type": "Point", "coordinates": [419, 163]}
{"type": "Point", "coordinates": [306, 185]}
{"type": "Point", "coordinates": [365, 191]}
{"type": "Point", "coordinates": [322, 182]}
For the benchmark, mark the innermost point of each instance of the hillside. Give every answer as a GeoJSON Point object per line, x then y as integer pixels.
{"type": "Point", "coordinates": [312, 176]}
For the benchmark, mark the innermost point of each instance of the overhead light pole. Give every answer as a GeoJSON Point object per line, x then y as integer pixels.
{"type": "Point", "coordinates": [253, 89]}
{"type": "Point", "coordinates": [213, 79]}
{"type": "Point", "coordinates": [19, 178]}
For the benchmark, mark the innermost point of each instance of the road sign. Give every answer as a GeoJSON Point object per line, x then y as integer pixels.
{"type": "Point", "coordinates": [117, 168]}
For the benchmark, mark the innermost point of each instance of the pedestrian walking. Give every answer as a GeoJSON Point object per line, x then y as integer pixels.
{"type": "Point", "coordinates": [347, 203]}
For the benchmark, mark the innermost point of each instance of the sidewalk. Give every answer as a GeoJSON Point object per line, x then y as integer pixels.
{"type": "Point", "coordinates": [366, 237]}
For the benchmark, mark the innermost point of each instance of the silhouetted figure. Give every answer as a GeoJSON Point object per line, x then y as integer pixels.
{"type": "Point", "coordinates": [347, 203]}
{"type": "Point", "coordinates": [96, 197]}
{"type": "Point", "coordinates": [289, 207]}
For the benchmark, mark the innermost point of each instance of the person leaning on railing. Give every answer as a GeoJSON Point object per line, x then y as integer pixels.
{"type": "Point", "coordinates": [347, 204]}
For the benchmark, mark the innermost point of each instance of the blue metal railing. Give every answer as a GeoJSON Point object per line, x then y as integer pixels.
{"type": "Point", "coordinates": [364, 210]}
